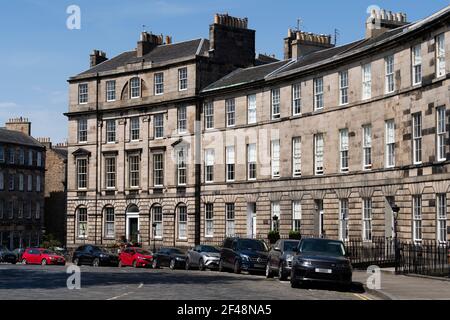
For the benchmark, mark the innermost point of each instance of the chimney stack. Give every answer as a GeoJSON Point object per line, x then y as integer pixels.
{"type": "Point", "coordinates": [20, 125]}
{"type": "Point", "coordinates": [46, 142]}
{"type": "Point", "coordinates": [147, 43]}
{"type": "Point", "coordinates": [299, 43]}
{"type": "Point", "coordinates": [381, 21]}
{"type": "Point", "coordinates": [97, 57]}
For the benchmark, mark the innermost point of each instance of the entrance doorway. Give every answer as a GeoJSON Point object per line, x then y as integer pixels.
{"type": "Point", "coordinates": [132, 221]}
{"type": "Point", "coordinates": [319, 215]}
{"type": "Point", "coordinates": [251, 220]}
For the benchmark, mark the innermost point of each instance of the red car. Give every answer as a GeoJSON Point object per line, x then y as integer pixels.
{"type": "Point", "coordinates": [42, 256]}
{"type": "Point", "coordinates": [136, 257]}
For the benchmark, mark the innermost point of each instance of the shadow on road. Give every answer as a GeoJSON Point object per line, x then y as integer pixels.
{"type": "Point", "coordinates": [356, 287]}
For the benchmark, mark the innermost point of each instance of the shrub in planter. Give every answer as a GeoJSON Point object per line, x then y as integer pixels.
{"type": "Point", "coordinates": [295, 235]}
{"type": "Point", "coordinates": [273, 236]}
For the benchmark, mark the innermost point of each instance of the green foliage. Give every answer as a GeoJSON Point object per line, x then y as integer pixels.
{"type": "Point", "coordinates": [295, 235]}
{"type": "Point", "coordinates": [273, 236]}
{"type": "Point", "coordinates": [49, 242]}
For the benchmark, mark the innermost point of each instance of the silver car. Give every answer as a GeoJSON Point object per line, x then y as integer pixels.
{"type": "Point", "coordinates": [202, 257]}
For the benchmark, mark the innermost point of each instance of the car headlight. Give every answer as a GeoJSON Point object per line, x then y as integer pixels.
{"type": "Point", "coordinates": [305, 263]}
{"type": "Point", "coordinates": [179, 258]}
{"type": "Point", "coordinates": [141, 258]}
{"type": "Point", "coordinates": [289, 257]}
{"type": "Point", "coordinates": [102, 255]}
{"type": "Point", "coordinates": [245, 257]}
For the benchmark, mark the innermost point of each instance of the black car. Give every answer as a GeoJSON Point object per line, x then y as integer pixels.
{"type": "Point", "coordinates": [280, 258]}
{"type": "Point", "coordinates": [95, 256]}
{"type": "Point", "coordinates": [7, 256]}
{"type": "Point", "coordinates": [321, 260]}
{"type": "Point", "coordinates": [239, 254]}
{"type": "Point", "coordinates": [169, 257]}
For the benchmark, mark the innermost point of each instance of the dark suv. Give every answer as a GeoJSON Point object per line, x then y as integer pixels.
{"type": "Point", "coordinates": [95, 256]}
{"type": "Point", "coordinates": [243, 254]}
{"type": "Point", "coordinates": [280, 258]}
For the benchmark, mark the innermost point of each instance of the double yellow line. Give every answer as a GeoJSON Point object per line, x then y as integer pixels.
{"type": "Point", "coordinates": [362, 297]}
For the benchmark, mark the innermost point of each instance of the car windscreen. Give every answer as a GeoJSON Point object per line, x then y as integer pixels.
{"type": "Point", "coordinates": [290, 245]}
{"type": "Point", "coordinates": [142, 251]}
{"type": "Point", "coordinates": [209, 249]}
{"type": "Point", "coordinates": [332, 248]}
{"type": "Point", "coordinates": [253, 245]}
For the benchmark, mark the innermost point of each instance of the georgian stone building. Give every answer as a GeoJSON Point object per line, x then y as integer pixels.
{"type": "Point", "coordinates": [201, 140]}
{"type": "Point", "coordinates": [22, 178]}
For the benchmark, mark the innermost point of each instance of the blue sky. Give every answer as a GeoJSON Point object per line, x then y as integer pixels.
{"type": "Point", "coordinates": [38, 53]}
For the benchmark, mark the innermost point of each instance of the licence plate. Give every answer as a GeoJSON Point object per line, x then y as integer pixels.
{"type": "Point", "coordinates": [318, 270]}
{"type": "Point", "coordinates": [258, 265]}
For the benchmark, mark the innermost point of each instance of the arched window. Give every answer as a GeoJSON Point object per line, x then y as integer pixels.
{"type": "Point", "coordinates": [109, 222]}
{"type": "Point", "coordinates": [82, 222]}
{"type": "Point", "coordinates": [182, 221]}
{"type": "Point", "coordinates": [157, 218]}
{"type": "Point", "coordinates": [135, 88]}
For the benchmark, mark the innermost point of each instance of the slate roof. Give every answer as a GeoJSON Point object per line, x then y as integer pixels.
{"type": "Point", "coordinates": [18, 138]}
{"type": "Point", "coordinates": [159, 54]}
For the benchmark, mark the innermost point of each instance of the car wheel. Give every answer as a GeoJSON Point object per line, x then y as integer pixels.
{"type": "Point", "coordinates": [76, 262]}
{"type": "Point", "coordinates": [187, 266]}
{"type": "Point", "coordinates": [201, 265]}
{"type": "Point", "coordinates": [134, 264]}
{"type": "Point", "coordinates": [44, 262]}
{"type": "Point", "coordinates": [281, 272]}
{"type": "Point", "coordinates": [24, 261]}
{"type": "Point", "coordinates": [155, 264]}
{"type": "Point", "coordinates": [237, 267]}
{"type": "Point", "coordinates": [221, 268]}
{"type": "Point", "coordinates": [96, 262]}
{"type": "Point", "coordinates": [172, 264]}
{"type": "Point", "coordinates": [268, 271]}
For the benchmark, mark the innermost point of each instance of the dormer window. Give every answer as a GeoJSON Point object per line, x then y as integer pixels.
{"type": "Point", "coordinates": [135, 88]}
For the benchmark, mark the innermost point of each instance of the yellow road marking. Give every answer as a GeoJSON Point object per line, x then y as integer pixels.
{"type": "Point", "coordinates": [362, 297]}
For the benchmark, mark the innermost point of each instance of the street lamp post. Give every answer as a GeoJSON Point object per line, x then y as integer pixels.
{"type": "Point", "coordinates": [275, 223]}
{"type": "Point", "coordinates": [396, 210]}
{"type": "Point", "coordinates": [154, 236]}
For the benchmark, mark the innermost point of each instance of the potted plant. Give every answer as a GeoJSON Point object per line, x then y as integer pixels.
{"type": "Point", "coordinates": [295, 235]}
{"type": "Point", "coordinates": [273, 236]}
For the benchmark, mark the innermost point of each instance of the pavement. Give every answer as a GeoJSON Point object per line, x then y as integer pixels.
{"type": "Point", "coordinates": [108, 283]}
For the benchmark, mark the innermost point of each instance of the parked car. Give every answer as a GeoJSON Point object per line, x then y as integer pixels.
{"type": "Point", "coordinates": [135, 257]}
{"type": "Point", "coordinates": [321, 260]}
{"type": "Point", "coordinates": [280, 258]}
{"type": "Point", "coordinates": [19, 252]}
{"type": "Point", "coordinates": [42, 256]}
{"type": "Point", "coordinates": [243, 254]}
{"type": "Point", "coordinates": [7, 256]}
{"type": "Point", "coordinates": [169, 257]}
{"type": "Point", "coordinates": [94, 256]}
{"type": "Point", "coordinates": [202, 257]}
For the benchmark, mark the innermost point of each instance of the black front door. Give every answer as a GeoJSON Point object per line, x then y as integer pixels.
{"type": "Point", "coordinates": [133, 229]}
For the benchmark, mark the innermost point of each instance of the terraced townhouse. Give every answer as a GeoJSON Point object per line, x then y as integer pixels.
{"type": "Point", "coordinates": [191, 142]}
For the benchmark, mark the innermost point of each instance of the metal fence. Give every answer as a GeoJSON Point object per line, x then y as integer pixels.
{"type": "Point", "coordinates": [379, 251]}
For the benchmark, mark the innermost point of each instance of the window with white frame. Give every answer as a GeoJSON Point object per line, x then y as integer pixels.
{"type": "Point", "coordinates": [135, 88]}
{"type": "Point", "coordinates": [441, 206]}
{"type": "Point", "coordinates": [81, 173]}
{"type": "Point", "coordinates": [21, 183]}
{"type": "Point", "coordinates": [38, 183]}
{"type": "Point", "coordinates": [111, 90]}
{"type": "Point", "coordinates": [157, 215]}
{"type": "Point", "coordinates": [182, 79]}
{"type": "Point", "coordinates": [367, 81]}
{"type": "Point", "coordinates": [37, 214]}
{"type": "Point", "coordinates": [417, 64]}
{"type": "Point", "coordinates": [209, 165]}
{"type": "Point", "coordinates": [367, 147]}
{"type": "Point", "coordinates": [389, 77]}
{"type": "Point", "coordinates": [209, 115]}
{"type": "Point", "coordinates": [296, 215]}
{"type": "Point", "coordinates": [109, 222]}
{"type": "Point", "coordinates": [30, 209]}
{"type": "Point", "coordinates": [417, 218]}
{"type": "Point", "coordinates": [367, 219]}
{"type": "Point", "coordinates": [441, 133]}
{"type": "Point", "coordinates": [111, 131]}
{"type": "Point", "coordinates": [318, 94]}
{"type": "Point", "coordinates": [296, 157]}
{"type": "Point", "coordinates": [182, 119]}
{"type": "Point", "coordinates": [134, 163]}
{"type": "Point", "coordinates": [82, 93]}
{"type": "Point", "coordinates": [182, 222]}
{"type": "Point", "coordinates": [318, 154]}
{"type": "Point", "coordinates": [343, 149]}
{"type": "Point", "coordinates": [440, 55]}
{"type": "Point", "coordinates": [275, 94]}
{"type": "Point", "coordinates": [209, 220]}
{"type": "Point", "coordinates": [417, 137]}
{"type": "Point", "coordinates": [275, 215]}
{"type": "Point", "coordinates": [275, 157]}
{"type": "Point", "coordinates": [110, 168]}
{"type": "Point", "coordinates": [11, 182]}
{"type": "Point", "coordinates": [30, 183]}
{"type": "Point", "coordinates": [296, 99]}
{"type": "Point", "coordinates": [2, 180]}
{"type": "Point", "coordinates": [12, 155]}
{"type": "Point", "coordinates": [230, 109]}
{"type": "Point", "coordinates": [2, 154]}
{"type": "Point", "coordinates": [343, 219]}
{"type": "Point", "coordinates": [230, 162]}
{"type": "Point", "coordinates": [82, 222]}
{"type": "Point", "coordinates": [181, 166]}
{"type": "Point", "coordinates": [251, 109]}
{"type": "Point", "coordinates": [30, 157]}
{"type": "Point", "coordinates": [135, 129]}
{"type": "Point", "coordinates": [230, 223]}
{"type": "Point", "coordinates": [158, 126]}
{"type": "Point", "coordinates": [343, 87]}
{"type": "Point", "coordinates": [82, 130]}
{"type": "Point", "coordinates": [159, 83]}
{"type": "Point", "coordinates": [21, 156]}
{"type": "Point", "coordinates": [158, 169]}
{"type": "Point", "coordinates": [39, 159]}
{"type": "Point", "coordinates": [390, 143]}
{"type": "Point", "coordinates": [251, 161]}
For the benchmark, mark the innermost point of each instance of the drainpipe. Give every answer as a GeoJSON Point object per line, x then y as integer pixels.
{"type": "Point", "coordinates": [97, 149]}
{"type": "Point", "coordinates": [198, 141]}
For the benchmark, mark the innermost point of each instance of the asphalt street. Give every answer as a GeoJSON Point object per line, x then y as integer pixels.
{"type": "Point", "coordinates": [108, 283]}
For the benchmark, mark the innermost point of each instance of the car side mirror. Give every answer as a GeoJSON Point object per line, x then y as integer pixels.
{"type": "Point", "coordinates": [277, 249]}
